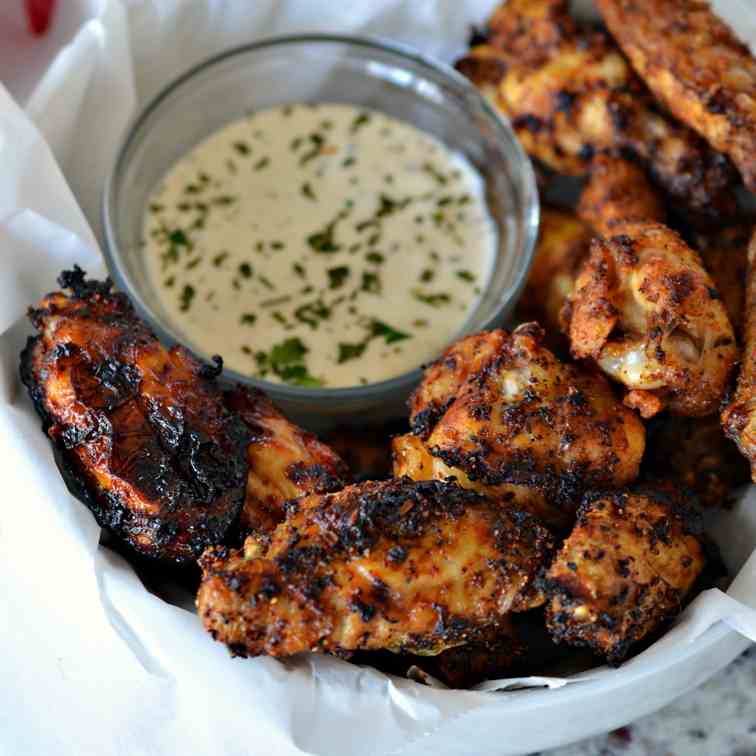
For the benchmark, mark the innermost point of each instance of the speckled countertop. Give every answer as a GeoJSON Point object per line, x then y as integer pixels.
{"type": "Point", "coordinates": [717, 719]}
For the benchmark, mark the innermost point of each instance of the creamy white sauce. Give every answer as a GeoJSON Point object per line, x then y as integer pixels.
{"type": "Point", "coordinates": [319, 245]}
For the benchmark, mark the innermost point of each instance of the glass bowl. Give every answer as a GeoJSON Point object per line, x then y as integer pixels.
{"type": "Point", "coordinates": [337, 69]}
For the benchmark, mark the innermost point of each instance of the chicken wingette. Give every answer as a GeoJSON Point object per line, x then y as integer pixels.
{"type": "Point", "coordinates": [396, 565]}
{"type": "Point", "coordinates": [628, 565]}
{"type": "Point", "coordinates": [141, 431]}
{"type": "Point", "coordinates": [285, 462]}
{"type": "Point", "coordinates": [575, 96]}
{"type": "Point", "coordinates": [693, 62]}
{"type": "Point", "coordinates": [739, 415]}
{"type": "Point", "coordinates": [563, 244]}
{"type": "Point", "coordinates": [644, 307]}
{"type": "Point", "coordinates": [524, 418]}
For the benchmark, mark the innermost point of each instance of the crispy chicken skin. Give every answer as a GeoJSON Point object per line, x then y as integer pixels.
{"type": "Point", "coordinates": [443, 379]}
{"type": "Point", "coordinates": [140, 431]}
{"type": "Point", "coordinates": [563, 244]}
{"type": "Point", "coordinates": [576, 96]}
{"type": "Point", "coordinates": [645, 309]}
{"type": "Point", "coordinates": [525, 418]}
{"type": "Point", "coordinates": [739, 415]}
{"type": "Point", "coordinates": [627, 566]}
{"type": "Point", "coordinates": [694, 453]}
{"type": "Point", "coordinates": [413, 459]}
{"type": "Point", "coordinates": [725, 255]}
{"type": "Point", "coordinates": [285, 462]}
{"type": "Point", "coordinates": [396, 565]}
{"type": "Point", "coordinates": [696, 66]}
{"type": "Point", "coordinates": [618, 195]}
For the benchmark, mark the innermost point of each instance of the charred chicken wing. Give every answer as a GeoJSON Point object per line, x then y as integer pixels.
{"type": "Point", "coordinates": [397, 565]}
{"type": "Point", "coordinates": [645, 309]}
{"type": "Point", "coordinates": [527, 419]}
{"type": "Point", "coordinates": [627, 566]}
{"type": "Point", "coordinates": [576, 96]}
{"type": "Point", "coordinates": [695, 65]}
{"type": "Point", "coordinates": [739, 416]}
{"type": "Point", "coordinates": [141, 431]}
{"type": "Point", "coordinates": [285, 462]}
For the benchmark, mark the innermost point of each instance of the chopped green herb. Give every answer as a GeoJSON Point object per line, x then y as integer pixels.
{"type": "Point", "coordinates": [187, 295]}
{"type": "Point", "coordinates": [466, 275]}
{"type": "Point", "coordinates": [371, 283]}
{"type": "Point", "coordinates": [337, 276]}
{"type": "Point", "coordinates": [388, 206]}
{"type": "Point", "coordinates": [350, 351]}
{"type": "Point", "coordinates": [279, 316]}
{"type": "Point", "coordinates": [375, 257]}
{"type": "Point", "coordinates": [156, 207]}
{"type": "Point", "coordinates": [220, 258]}
{"type": "Point", "coordinates": [323, 241]}
{"type": "Point", "coordinates": [360, 120]}
{"type": "Point", "coordinates": [192, 264]}
{"type": "Point", "coordinates": [263, 162]}
{"type": "Point", "coordinates": [427, 275]}
{"type": "Point", "coordinates": [286, 360]}
{"type": "Point", "coordinates": [307, 191]}
{"type": "Point", "coordinates": [242, 148]}
{"type": "Point", "coordinates": [224, 199]}
{"type": "Point", "coordinates": [296, 143]}
{"type": "Point", "coordinates": [179, 239]}
{"type": "Point", "coordinates": [432, 171]}
{"type": "Point", "coordinates": [298, 269]}
{"type": "Point", "coordinates": [312, 313]}
{"type": "Point", "coordinates": [348, 161]}
{"type": "Point", "coordinates": [248, 318]}
{"type": "Point", "coordinates": [391, 335]}
{"type": "Point", "coordinates": [265, 282]}
{"type": "Point", "coordinates": [277, 245]}
{"type": "Point", "coordinates": [275, 301]}
{"type": "Point", "coordinates": [316, 145]}
{"type": "Point", "coordinates": [168, 283]}
{"type": "Point", "coordinates": [245, 270]}
{"type": "Point", "coordinates": [434, 300]}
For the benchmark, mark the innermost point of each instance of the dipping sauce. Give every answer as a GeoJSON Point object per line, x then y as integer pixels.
{"type": "Point", "coordinates": [321, 245]}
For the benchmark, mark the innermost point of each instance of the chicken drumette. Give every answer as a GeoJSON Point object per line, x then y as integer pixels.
{"type": "Point", "coordinates": [524, 424]}
{"type": "Point", "coordinates": [141, 431]}
{"type": "Point", "coordinates": [644, 307]}
{"type": "Point", "coordinates": [397, 565]}
{"type": "Point", "coordinates": [627, 566]}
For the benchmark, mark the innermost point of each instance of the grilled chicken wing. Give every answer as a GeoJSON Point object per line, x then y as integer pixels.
{"type": "Point", "coordinates": [563, 244]}
{"type": "Point", "coordinates": [695, 65]}
{"type": "Point", "coordinates": [694, 453]}
{"type": "Point", "coordinates": [397, 565]}
{"type": "Point", "coordinates": [626, 567]}
{"type": "Point", "coordinates": [285, 462]}
{"type": "Point", "coordinates": [576, 96]}
{"type": "Point", "coordinates": [141, 431]}
{"type": "Point", "coordinates": [739, 416]}
{"type": "Point", "coordinates": [527, 419]}
{"type": "Point", "coordinates": [617, 196]}
{"type": "Point", "coordinates": [647, 312]}
{"type": "Point", "coordinates": [413, 459]}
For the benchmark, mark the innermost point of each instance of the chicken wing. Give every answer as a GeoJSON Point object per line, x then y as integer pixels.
{"type": "Point", "coordinates": [397, 565]}
{"type": "Point", "coordinates": [692, 61]}
{"type": "Point", "coordinates": [140, 431]}
{"type": "Point", "coordinates": [527, 419]}
{"type": "Point", "coordinates": [694, 453]}
{"type": "Point", "coordinates": [563, 244]}
{"type": "Point", "coordinates": [285, 462]}
{"type": "Point", "coordinates": [645, 309]}
{"type": "Point", "coordinates": [626, 567]}
{"type": "Point", "coordinates": [617, 196]}
{"type": "Point", "coordinates": [413, 459]}
{"type": "Point", "coordinates": [576, 96]}
{"type": "Point", "coordinates": [739, 416]}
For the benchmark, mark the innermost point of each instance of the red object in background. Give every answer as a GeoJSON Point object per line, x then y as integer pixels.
{"type": "Point", "coordinates": [39, 13]}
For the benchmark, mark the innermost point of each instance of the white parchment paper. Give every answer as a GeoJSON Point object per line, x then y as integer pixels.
{"type": "Point", "coordinates": [93, 663]}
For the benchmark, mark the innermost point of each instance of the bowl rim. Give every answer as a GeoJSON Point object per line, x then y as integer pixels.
{"type": "Point", "coordinates": [357, 393]}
